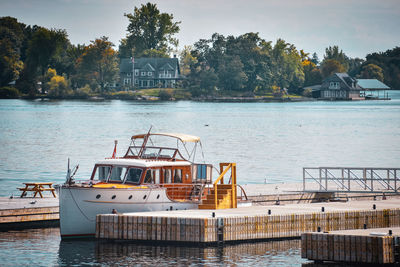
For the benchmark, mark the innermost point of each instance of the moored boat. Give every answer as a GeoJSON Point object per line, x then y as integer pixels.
{"type": "Point", "coordinates": [146, 178]}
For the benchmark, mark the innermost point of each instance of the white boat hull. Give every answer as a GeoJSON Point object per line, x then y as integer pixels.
{"type": "Point", "coordinates": [80, 205]}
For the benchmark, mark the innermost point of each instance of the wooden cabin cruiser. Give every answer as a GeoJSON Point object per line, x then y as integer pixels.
{"type": "Point", "coordinates": [146, 178]}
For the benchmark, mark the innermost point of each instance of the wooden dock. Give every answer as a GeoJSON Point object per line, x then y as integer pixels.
{"type": "Point", "coordinates": [247, 223]}
{"type": "Point", "coordinates": [372, 246]}
{"type": "Point", "coordinates": [28, 212]}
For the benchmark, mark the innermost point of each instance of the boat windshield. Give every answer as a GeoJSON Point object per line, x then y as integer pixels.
{"type": "Point", "coordinates": [101, 173]}
{"type": "Point", "coordinates": [133, 175]}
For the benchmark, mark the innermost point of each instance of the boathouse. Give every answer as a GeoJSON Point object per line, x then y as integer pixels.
{"type": "Point", "coordinates": [372, 88]}
{"type": "Point", "coordinates": [339, 86]}
{"type": "Point", "coordinates": [149, 72]}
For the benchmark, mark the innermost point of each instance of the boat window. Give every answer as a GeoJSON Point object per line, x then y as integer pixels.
{"type": "Point", "coordinates": [102, 173]}
{"type": "Point", "coordinates": [148, 179]}
{"type": "Point", "coordinates": [117, 173]}
{"type": "Point", "coordinates": [178, 176]}
{"type": "Point", "coordinates": [167, 176]}
{"type": "Point", "coordinates": [133, 175]}
{"type": "Point", "coordinates": [156, 176]}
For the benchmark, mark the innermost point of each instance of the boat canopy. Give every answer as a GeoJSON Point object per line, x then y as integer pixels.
{"type": "Point", "coordinates": [182, 137]}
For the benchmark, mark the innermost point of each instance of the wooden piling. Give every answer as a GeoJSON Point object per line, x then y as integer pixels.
{"type": "Point", "coordinates": [254, 227]}
{"type": "Point", "coordinates": [372, 246]}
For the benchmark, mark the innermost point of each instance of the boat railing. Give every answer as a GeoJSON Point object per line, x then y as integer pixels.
{"type": "Point", "coordinates": [219, 182]}
{"type": "Point", "coordinates": [185, 192]}
{"type": "Point", "coordinates": [153, 152]}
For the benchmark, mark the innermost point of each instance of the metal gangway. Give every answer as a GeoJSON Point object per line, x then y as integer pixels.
{"type": "Point", "coordinates": [349, 179]}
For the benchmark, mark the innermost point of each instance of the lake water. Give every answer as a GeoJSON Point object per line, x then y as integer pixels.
{"type": "Point", "coordinates": [269, 141]}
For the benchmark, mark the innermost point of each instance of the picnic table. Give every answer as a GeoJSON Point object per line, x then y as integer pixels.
{"type": "Point", "coordinates": [37, 188]}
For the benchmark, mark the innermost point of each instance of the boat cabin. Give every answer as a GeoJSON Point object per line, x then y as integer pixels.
{"type": "Point", "coordinates": [153, 165]}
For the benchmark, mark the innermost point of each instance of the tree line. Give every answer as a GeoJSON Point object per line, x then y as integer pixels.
{"type": "Point", "coordinates": [41, 60]}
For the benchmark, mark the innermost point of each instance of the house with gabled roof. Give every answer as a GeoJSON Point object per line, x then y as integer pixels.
{"type": "Point", "coordinates": [340, 86]}
{"type": "Point", "coordinates": [149, 72]}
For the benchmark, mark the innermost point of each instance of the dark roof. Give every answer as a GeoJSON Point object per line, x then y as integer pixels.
{"type": "Point", "coordinates": [372, 84]}
{"type": "Point", "coordinates": [349, 82]}
{"type": "Point", "coordinates": [157, 63]}
{"type": "Point", "coordinates": [316, 87]}
{"type": "Point", "coordinates": [125, 65]}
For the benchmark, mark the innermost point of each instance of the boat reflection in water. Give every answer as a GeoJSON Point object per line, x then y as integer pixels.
{"type": "Point", "coordinates": [81, 252]}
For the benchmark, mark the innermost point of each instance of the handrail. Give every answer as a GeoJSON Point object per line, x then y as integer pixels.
{"type": "Point", "coordinates": [353, 179]}
{"type": "Point", "coordinates": [242, 190]}
{"type": "Point", "coordinates": [232, 167]}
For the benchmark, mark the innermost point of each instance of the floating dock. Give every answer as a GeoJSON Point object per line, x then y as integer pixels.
{"type": "Point", "coordinates": [247, 223]}
{"type": "Point", "coordinates": [372, 246]}
{"type": "Point", "coordinates": [28, 212]}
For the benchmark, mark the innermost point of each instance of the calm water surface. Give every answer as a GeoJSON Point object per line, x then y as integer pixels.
{"type": "Point", "coordinates": [43, 247]}
{"type": "Point", "coordinates": [271, 141]}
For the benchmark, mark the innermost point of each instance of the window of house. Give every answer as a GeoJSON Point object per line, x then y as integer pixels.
{"type": "Point", "coordinates": [178, 176]}
{"type": "Point", "coordinates": [136, 72]}
{"type": "Point", "coordinates": [149, 73]}
{"type": "Point", "coordinates": [129, 74]}
{"type": "Point", "coordinates": [127, 81]}
{"type": "Point", "coordinates": [334, 85]}
{"type": "Point", "coordinates": [143, 73]}
{"type": "Point", "coordinates": [136, 81]}
{"type": "Point", "coordinates": [144, 83]}
{"type": "Point", "coordinates": [151, 83]}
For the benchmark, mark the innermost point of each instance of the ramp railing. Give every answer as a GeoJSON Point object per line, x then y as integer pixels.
{"type": "Point", "coordinates": [351, 179]}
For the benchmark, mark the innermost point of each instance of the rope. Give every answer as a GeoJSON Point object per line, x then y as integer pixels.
{"type": "Point", "coordinates": [79, 207]}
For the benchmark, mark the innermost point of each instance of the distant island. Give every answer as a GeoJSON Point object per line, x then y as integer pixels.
{"type": "Point", "coordinates": [39, 62]}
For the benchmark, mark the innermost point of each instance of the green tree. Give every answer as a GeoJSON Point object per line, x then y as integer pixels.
{"type": "Point", "coordinates": [331, 66]}
{"type": "Point", "coordinates": [389, 62]}
{"type": "Point", "coordinates": [42, 47]}
{"type": "Point", "coordinates": [149, 29]}
{"type": "Point", "coordinates": [98, 64]}
{"type": "Point", "coordinates": [231, 75]}
{"type": "Point", "coordinates": [11, 38]}
{"type": "Point", "coordinates": [287, 66]}
{"type": "Point", "coordinates": [312, 74]}
{"type": "Point", "coordinates": [333, 52]}
{"type": "Point", "coordinates": [187, 60]}
{"type": "Point", "coordinates": [355, 65]}
{"type": "Point", "coordinates": [372, 71]}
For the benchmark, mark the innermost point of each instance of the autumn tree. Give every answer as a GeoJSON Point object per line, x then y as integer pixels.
{"type": "Point", "coordinates": [98, 64]}
{"type": "Point", "coordinates": [149, 29]}
{"type": "Point", "coordinates": [333, 52]}
{"type": "Point", "coordinates": [312, 75]}
{"type": "Point", "coordinates": [372, 71]}
{"type": "Point", "coordinates": [331, 66]}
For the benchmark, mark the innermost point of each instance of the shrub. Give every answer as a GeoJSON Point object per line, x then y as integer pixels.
{"type": "Point", "coordinates": [307, 92]}
{"type": "Point", "coordinates": [58, 87]}
{"type": "Point", "coordinates": [165, 94]}
{"type": "Point", "coordinates": [83, 92]}
{"type": "Point", "coordinates": [8, 92]}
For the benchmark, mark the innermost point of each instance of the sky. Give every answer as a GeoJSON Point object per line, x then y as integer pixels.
{"type": "Point", "coordinates": [358, 27]}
